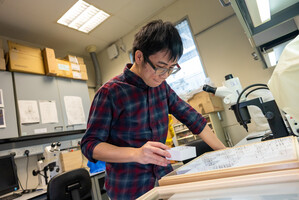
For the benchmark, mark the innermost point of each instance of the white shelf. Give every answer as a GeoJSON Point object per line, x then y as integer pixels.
{"type": "Point", "coordinates": [181, 131]}
{"type": "Point", "coordinates": [212, 121]}
{"type": "Point", "coordinates": [186, 137]}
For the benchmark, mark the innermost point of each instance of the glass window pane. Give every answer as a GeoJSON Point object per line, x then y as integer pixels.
{"type": "Point", "coordinates": [192, 74]}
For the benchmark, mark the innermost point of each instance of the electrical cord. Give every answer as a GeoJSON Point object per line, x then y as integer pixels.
{"type": "Point", "coordinates": [27, 170]}
{"type": "Point", "coordinates": [263, 86]}
{"type": "Point", "coordinates": [18, 178]}
{"type": "Point", "coordinates": [20, 184]}
{"type": "Point", "coordinates": [255, 90]}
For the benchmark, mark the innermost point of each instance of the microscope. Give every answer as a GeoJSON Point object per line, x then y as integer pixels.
{"type": "Point", "coordinates": [49, 165]}
{"type": "Point", "coordinates": [233, 95]}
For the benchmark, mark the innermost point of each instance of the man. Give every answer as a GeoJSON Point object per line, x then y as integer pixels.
{"type": "Point", "coordinates": [128, 119]}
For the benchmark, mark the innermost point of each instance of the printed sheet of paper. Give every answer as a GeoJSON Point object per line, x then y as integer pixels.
{"type": "Point", "coordinates": [2, 118]}
{"type": "Point", "coordinates": [282, 149]}
{"type": "Point", "coordinates": [74, 110]}
{"type": "Point", "coordinates": [28, 111]}
{"type": "Point", "coordinates": [48, 111]}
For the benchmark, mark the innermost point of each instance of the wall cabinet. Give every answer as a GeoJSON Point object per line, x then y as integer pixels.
{"type": "Point", "coordinates": [8, 119]}
{"type": "Point", "coordinates": [31, 87]}
{"type": "Point", "coordinates": [26, 94]}
{"type": "Point", "coordinates": [183, 135]}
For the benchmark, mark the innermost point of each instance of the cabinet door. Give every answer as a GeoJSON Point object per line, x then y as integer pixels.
{"type": "Point", "coordinates": [8, 125]}
{"type": "Point", "coordinates": [38, 88]}
{"type": "Point", "coordinates": [73, 88]}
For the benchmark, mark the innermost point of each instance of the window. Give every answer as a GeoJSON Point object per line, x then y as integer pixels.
{"type": "Point", "coordinates": [192, 76]}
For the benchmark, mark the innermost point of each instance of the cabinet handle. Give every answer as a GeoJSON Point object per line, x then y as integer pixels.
{"type": "Point", "coordinates": [58, 127]}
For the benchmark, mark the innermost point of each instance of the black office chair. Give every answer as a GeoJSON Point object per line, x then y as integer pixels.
{"type": "Point", "coordinates": [70, 185]}
{"type": "Point", "coordinates": [201, 148]}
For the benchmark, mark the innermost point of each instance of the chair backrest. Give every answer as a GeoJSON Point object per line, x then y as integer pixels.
{"type": "Point", "coordinates": [70, 185]}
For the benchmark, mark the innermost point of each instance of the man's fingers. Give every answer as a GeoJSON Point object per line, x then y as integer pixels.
{"type": "Point", "coordinates": [158, 160]}
{"type": "Point", "coordinates": [160, 152]}
{"type": "Point", "coordinates": [159, 145]}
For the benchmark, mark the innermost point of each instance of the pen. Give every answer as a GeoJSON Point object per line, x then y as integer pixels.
{"type": "Point", "coordinates": [254, 137]}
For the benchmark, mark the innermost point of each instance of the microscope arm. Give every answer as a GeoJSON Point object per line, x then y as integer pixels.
{"type": "Point", "coordinates": [270, 111]}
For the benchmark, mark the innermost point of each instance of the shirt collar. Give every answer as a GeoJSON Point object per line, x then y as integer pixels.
{"type": "Point", "coordinates": [133, 78]}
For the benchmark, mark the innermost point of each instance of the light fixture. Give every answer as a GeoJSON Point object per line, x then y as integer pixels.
{"type": "Point", "coordinates": [259, 11]}
{"type": "Point", "coordinates": [83, 17]}
{"type": "Point", "coordinates": [270, 58]}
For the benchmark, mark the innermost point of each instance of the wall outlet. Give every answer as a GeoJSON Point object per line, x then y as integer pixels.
{"type": "Point", "coordinates": [74, 143]}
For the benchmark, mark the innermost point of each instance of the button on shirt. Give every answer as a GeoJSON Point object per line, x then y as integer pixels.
{"type": "Point", "coordinates": [127, 113]}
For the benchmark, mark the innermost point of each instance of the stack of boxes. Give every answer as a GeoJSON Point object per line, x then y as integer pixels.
{"type": "Point", "coordinates": [64, 68]}
{"type": "Point", "coordinates": [78, 67]}
{"type": "Point", "coordinates": [32, 60]}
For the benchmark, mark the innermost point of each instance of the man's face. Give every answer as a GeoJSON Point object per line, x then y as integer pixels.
{"type": "Point", "coordinates": [158, 60]}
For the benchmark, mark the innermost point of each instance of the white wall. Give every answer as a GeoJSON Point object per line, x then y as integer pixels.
{"type": "Point", "coordinates": [223, 47]}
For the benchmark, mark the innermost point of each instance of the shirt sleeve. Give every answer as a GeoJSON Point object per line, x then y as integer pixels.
{"type": "Point", "coordinates": [98, 125]}
{"type": "Point", "coordinates": [185, 113]}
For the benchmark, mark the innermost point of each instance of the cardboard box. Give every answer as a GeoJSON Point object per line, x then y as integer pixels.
{"type": "Point", "coordinates": [1, 53]}
{"type": "Point", "coordinates": [50, 62]}
{"type": "Point", "coordinates": [20, 62]}
{"type": "Point", "coordinates": [204, 103]}
{"type": "Point", "coordinates": [19, 48]}
{"type": "Point", "coordinates": [71, 160]}
{"type": "Point", "coordinates": [25, 59]}
{"type": "Point", "coordinates": [2, 60]}
{"type": "Point", "coordinates": [2, 64]}
{"type": "Point", "coordinates": [80, 75]}
{"type": "Point", "coordinates": [80, 60]}
{"type": "Point", "coordinates": [75, 62]}
{"type": "Point", "coordinates": [75, 67]}
{"type": "Point", "coordinates": [75, 59]}
{"type": "Point", "coordinates": [83, 68]}
{"type": "Point", "coordinates": [78, 67]}
{"type": "Point", "coordinates": [64, 69]}
{"type": "Point", "coordinates": [84, 76]}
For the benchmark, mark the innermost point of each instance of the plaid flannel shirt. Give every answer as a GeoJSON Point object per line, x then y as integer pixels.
{"type": "Point", "coordinates": [127, 113]}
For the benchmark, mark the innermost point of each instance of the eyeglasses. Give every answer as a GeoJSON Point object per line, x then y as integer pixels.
{"type": "Point", "coordinates": [161, 70]}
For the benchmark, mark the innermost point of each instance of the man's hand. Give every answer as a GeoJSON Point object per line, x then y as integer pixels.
{"type": "Point", "coordinates": [153, 153]}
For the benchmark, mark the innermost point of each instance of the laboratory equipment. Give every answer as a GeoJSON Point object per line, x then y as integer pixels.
{"type": "Point", "coordinates": [49, 165]}
{"type": "Point", "coordinates": [234, 96]}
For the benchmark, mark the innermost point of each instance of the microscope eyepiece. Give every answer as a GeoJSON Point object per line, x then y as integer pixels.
{"type": "Point", "coordinates": [229, 76]}
{"type": "Point", "coordinates": [209, 89]}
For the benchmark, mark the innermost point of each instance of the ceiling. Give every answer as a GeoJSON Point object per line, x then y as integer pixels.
{"type": "Point", "coordinates": [34, 21]}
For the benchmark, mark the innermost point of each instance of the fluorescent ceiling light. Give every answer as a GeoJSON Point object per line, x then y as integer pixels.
{"type": "Point", "coordinates": [259, 11]}
{"type": "Point", "coordinates": [83, 17]}
{"type": "Point", "coordinates": [270, 58]}
{"type": "Point", "coordinates": [264, 10]}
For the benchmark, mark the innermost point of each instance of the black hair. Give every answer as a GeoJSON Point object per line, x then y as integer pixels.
{"type": "Point", "coordinates": [156, 36]}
